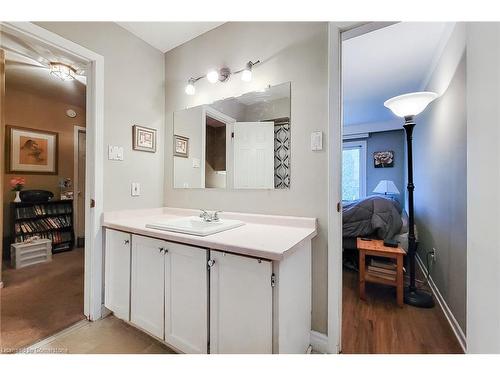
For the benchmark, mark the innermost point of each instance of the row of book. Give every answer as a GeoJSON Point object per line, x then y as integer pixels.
{"type": "Point", "coordinates": [384, 269]}
{"type": "Point", "coordinates": [42, 210]}
{"type": "Point", "coordinates": [41, 225]}
{"type": "Point", "coordinates": [55, 237]}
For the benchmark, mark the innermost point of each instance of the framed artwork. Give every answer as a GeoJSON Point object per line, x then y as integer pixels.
{"type": "Point", "coordinates": [181, 146]}
{"type": "Point", "coordinates": [143, 139]}
{"type": "Point", "coordinates": [383, 159]}
{"type": "Point", "coordinates": [31, 151]}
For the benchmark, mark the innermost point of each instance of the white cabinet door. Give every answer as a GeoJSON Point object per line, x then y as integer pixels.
{"type": "Point", "coordinates": [240, 304]}
{"type": "Point", "coordinates": [186, 293]}
{"type": "Point", "coordinates": [147, 294]}
{"type": "Point", "coordinates": [253, 147]}
{"type": "Point", "coordinates": [117, 273]}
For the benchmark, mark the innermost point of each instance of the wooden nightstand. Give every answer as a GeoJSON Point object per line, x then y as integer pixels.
{"type": "Point", "coordinates": [377, 248]}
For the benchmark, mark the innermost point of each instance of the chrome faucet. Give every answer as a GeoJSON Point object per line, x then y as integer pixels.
{"type": "Point", "coordinates": [209, 217]}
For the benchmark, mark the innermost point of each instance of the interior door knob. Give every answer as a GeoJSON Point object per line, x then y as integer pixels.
{"type": "Point", "coordinates": [211, 263]}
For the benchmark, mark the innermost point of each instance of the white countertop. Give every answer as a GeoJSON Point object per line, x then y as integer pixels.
{"type": "Point", "coordinates": [265, 236]}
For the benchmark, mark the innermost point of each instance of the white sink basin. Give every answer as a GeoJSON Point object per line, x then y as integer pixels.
{"type": "Point", "coordinates": [195, 225]}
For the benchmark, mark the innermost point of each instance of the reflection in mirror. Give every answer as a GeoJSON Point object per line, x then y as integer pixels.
{"type": "Point", "coordinates": [240, 143]}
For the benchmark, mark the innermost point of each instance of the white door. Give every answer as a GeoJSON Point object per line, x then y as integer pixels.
{"type": "Point", "coordinates": [253, 156]}
{"type": "Point", "coordinates": [147, 293]}
{"type": "Point", "coordinates": [117, 273]}
{"type": "Point", "coordinates": [240, 304]}
{"type": "Point", "coordinates": [186, 293]}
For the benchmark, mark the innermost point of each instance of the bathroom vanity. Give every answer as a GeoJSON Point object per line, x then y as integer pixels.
{"type": "Point", "coordinates": [243, 290]}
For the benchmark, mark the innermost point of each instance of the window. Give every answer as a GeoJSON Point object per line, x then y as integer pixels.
{"type": "Point", "coordinates": [353, 170]}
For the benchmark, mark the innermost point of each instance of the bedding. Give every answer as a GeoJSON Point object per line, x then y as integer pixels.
{"type": "Point", "coordinates": [374, 216]}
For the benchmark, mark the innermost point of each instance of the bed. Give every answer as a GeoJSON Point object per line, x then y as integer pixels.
{"type": "Point", "coordinates": [374, 217]}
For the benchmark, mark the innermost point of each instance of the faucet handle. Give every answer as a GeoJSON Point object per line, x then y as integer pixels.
{"type": "Point", "coordinates": [203, 213]}
{"type": "Point", "coordinates": [216, 215]}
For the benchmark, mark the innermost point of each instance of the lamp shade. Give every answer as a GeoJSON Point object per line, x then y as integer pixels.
{"type": "Point", "coordinates": [410, 104]}
{"type": "Point", "coordinates": [386, 187]}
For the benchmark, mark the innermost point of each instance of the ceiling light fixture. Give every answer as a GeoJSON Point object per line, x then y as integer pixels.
{"type": "Point", "coordinates": [62, 71]}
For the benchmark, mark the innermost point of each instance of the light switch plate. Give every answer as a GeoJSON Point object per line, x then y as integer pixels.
{"type": "Point", "coordinates": [317, 141]}
{"type": "Point", "coordinates": [135, 189]}
{"type": "Point", "coordinates": [196, 163]}
{"type": "Point", "coordinates": [115, 152]}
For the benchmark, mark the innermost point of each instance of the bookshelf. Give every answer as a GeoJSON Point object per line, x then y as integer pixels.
{"type": "Point", "coordinates": [52, 220]}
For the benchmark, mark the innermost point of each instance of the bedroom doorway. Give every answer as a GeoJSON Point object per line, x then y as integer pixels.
{"type": "Point", "coordinates": [374, 219]}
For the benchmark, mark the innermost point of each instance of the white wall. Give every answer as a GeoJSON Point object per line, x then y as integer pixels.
{"type": "Point", "coordinates": [133, 94]}
{"type": "Point", "coordinates": [483, 186]}
{"type": "Point", "coordinates": [295, 52]}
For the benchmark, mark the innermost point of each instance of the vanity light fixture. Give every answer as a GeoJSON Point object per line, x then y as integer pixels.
{"type": "Point", "coordinates": [221, 75]}
{"type": "Point", "coordinates": [62, 71]}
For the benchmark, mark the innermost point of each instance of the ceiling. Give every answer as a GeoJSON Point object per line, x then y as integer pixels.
{"type": "Point", "coordinates": [27, 68]}
{"type": "Point", "coordinates": [394, 60]}
{"type": "Point", "coordinates": [165, 36]}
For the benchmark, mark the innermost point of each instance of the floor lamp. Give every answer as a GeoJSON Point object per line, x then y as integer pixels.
{"type": "Point", "coordinates": [408, 106]}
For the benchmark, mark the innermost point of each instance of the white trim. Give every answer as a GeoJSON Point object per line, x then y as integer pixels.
{"type": "Point", "coordinates": [319, 342]}
{"type": "Point", "coordinates": [373, 127]}
{"type": "Point", "coordinates": [362, 145]}
{"type": "Point", "coordinates": [76, 132]}
{"type": "Point", "coordinates": [94, 151]}
{"type": "Point", "coordinates": [457, 330]}
{"type": "Point", "coordinates": [365, 28]}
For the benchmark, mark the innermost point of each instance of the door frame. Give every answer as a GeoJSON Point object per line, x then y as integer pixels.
{"type": "Point", "coordinates": [337, 32]}
{"type": "Point", "coordinates": [76, 133]}
{"type": "Point", "coordinates": [93, 272]}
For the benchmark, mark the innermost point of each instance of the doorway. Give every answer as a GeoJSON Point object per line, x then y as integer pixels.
{"type": "Point", "coordinates": [367, 137]}
{"type": "Point", "coordinates": [93, 64]}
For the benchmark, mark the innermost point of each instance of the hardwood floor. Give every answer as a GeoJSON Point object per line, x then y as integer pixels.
{"type": "Point", "coordinates": [40, 300]}
{"type": "Point", "coordinates": [379, 326]}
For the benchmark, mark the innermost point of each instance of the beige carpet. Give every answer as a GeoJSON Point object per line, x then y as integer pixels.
{"type": "Point", "coordinates": [40, 300]}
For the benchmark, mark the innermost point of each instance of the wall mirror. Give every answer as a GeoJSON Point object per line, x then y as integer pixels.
{"type": "Point", "coordinates": [235, 143]}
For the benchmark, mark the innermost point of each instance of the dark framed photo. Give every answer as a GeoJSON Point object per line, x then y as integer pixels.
{"type": "Point", "coordinates": [31, 151]}
{"type": "Point", "coordinates": [181, 146]}
{"type": "Point", "coordinates": [383, 159]}
{"type": "Point", "coordinates": [143, 139]}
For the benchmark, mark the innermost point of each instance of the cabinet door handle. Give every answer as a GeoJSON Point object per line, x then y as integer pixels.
{"type": "Point", "coordinates": [163, 250]}
{"type": "Point", "coordinates": [126, 242]}
{"type": "Point", "coordinates": [211, 263]}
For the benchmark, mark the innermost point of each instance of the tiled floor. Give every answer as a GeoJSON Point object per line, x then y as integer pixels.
{"type": "Point", "coordinates": [105, 336]}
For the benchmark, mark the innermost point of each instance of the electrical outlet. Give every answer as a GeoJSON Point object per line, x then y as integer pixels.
{"type": "Point", "coordinates": [135, 190]}
{"type": "Point", "coordinates": [434, 255]}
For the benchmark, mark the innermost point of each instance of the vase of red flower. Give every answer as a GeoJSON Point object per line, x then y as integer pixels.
{"type": "Point", "coordinates": [17, 184]}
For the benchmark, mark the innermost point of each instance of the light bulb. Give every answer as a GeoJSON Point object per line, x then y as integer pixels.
{"type": "Point", "coordinates": [190, 90]}
{"type": "Point", "coordinates": [246, 75]}
{"type": "Point", "coordinates": [213, 76]}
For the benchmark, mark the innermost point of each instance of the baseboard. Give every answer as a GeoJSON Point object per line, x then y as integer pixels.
{"type": "Point", "coordinates": [457, 330]}
{"type": "Point", "coordinates": [319, 342]}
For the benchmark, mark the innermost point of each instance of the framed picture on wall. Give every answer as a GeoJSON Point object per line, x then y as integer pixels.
{"type": "Point", "coordinates": [143, 139]}
{"type": "Point", "coordinates": [181, 146]}
{"type": "Point", "coordinates": [383, 159]}
{"type": "Point", "coordinates": [31, 151]}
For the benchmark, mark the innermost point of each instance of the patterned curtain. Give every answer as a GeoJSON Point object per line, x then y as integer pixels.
{"type": "Point", "coordinates": [281, 153]}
